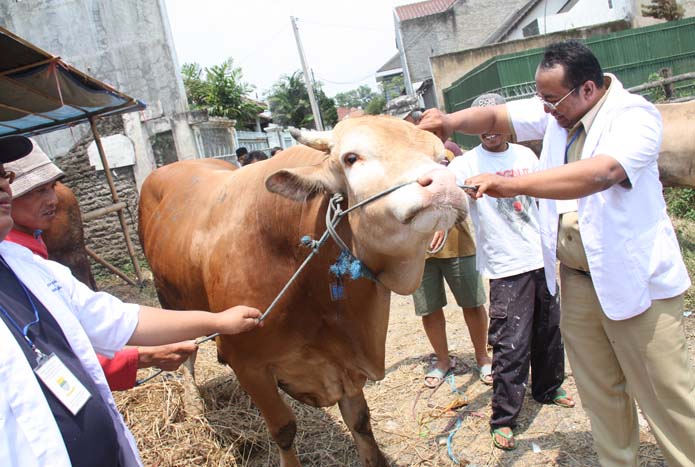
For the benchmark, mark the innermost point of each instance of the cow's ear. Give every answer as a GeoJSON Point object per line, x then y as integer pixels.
{"type": "Point", "coordinates": [300, 183]}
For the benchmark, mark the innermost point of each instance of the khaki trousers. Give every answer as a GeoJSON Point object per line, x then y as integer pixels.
{"type": "Point", "coordinates": [616, 363]}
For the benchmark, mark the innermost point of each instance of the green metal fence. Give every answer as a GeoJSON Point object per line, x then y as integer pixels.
{"type": "Point", "coordinates": [632, 55]}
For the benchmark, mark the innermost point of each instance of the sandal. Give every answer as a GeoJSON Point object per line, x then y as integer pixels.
{"type": "Point", "coordinates": [439, 375]}
{"type": "Point", "coordinates": [561, 399]}
{"type": "Point", "coordinates": [509, 437]}
{"type": "Point", "coordinates": [485, 374]}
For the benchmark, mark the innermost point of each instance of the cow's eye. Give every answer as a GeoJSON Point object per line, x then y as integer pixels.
{"type": "Point", "coordinates": [350, 158]}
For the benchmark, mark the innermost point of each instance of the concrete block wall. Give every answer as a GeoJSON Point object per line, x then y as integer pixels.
{"type": "Point", "coordinates": [466, 25]}
{"type": "Point", "coordinates": [103, 235]}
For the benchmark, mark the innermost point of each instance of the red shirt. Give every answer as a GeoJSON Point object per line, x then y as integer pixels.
{"type": "Point", "coordinates": [122, 369]}
{"type": "Point", "coordinates": [34, 243]}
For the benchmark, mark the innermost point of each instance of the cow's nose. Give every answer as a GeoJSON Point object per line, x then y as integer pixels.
{"type": "Point", "coordinates": [437, 177]}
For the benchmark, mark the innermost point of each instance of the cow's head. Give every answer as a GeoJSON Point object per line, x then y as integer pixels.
{"type": "Point", "coordinates": [365, 156]}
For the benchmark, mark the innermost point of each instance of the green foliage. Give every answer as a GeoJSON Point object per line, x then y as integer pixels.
{"type": "Point", "coordinates": [357, 98]}
{"type": "Point", "coordinates": [663, 9]}
{"type": "Point", "coordinates": [221, 91]}
{"type": "Point", "coordinates": [290, 105]}
{"type": "Point", "coordinates": [329, 112]}
{"type": "Point", "coordinates": [393, 87]}
{"type": "Point", "coordinates": [196, 87]}
{"type": "Point", "coordinates": [685, 231]}
{"type": "Point", "coordinates": [376, 106]}
{"type": "Point", "coordinates": [680, 202]}
{"type": "Point", "coordinates": [656, 94]}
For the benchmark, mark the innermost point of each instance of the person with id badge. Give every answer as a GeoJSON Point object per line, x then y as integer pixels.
{"type": "Point", "coordinates": [56, 407]}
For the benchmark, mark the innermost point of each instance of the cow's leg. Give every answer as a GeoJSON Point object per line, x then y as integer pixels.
{"type": "Point", "coordinates": [262, 387]}
{"type": "Point", "coordinates": [192, 400]}
{"type": "Point", "coordinates": [356, 416]}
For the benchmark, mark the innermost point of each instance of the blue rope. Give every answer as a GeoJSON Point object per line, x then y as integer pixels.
{"type": "Point", "coordinates": [449, 439]}
{"type": "Point", "coordinates": [347, 264]}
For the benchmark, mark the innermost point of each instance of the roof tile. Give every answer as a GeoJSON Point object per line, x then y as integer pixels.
{"type": "Point", "coordinates": [420, 9]}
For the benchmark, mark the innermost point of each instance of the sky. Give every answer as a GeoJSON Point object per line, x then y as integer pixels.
{"type": "Point", "coordinates": [345, 42]}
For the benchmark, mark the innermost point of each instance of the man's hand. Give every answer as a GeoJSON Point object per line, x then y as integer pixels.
{"type": "Point", "coordinates": [435, 121]}
{"type": "Point", "coordinates": [238, 319]}
{"type": "Point", "coordinates": [167, 357]}
{"type": "Point", "coordinates": [492, 185]}
{"type": "Point", "coordinates": [437, 240]}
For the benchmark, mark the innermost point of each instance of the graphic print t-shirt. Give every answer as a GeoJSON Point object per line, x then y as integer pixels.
{"type": "Point", "coordinates": [506, 229]}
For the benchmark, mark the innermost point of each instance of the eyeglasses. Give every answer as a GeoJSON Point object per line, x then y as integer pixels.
{"type": "Point", "coordinates": [7, 175]}
{"type": "Point", "coordinates": [552, 106]}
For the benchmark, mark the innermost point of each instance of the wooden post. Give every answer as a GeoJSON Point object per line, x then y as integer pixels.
{"type": "Point", "coordinates": [109, 266]}
{"type": "Point", "coordinates": [668, 87]}
{"type": "Point", "coordinates": [97, 213]}
{"type": "Point", "coordinates": [114, 197]}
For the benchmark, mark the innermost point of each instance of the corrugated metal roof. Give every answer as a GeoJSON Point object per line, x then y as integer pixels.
{"type": "Point", "coordinates": [420, 9]}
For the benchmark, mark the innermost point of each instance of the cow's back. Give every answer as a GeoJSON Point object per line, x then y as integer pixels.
{"type": "Point", "coordinates": [171, 204]}
{"type": "Point", "coordinates": [202, 222]}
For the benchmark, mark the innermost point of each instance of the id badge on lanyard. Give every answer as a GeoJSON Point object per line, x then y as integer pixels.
{"type": "Point", "coordinates": [62, 383]}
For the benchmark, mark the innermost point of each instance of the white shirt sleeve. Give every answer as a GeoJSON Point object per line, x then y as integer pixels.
{"type": "Point", "coordinates": [633, 139]}
{"type": "Point", "coordinates": [528, 118]}
{"type": "Point", "coordinates": [108, 322]}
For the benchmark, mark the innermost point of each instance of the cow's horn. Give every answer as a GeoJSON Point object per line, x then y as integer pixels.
{"type": "Point", "coordinates": [321, 140]}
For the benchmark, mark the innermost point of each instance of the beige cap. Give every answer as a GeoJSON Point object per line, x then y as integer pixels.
{"type": "Point", "coordinates": [32, 171]}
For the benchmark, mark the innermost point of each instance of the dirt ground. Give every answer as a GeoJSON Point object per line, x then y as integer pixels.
{"type": "Point", "coordinates": [410, 423]}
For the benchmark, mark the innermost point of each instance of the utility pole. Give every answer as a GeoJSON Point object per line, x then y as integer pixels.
{"type": "Point", "coordinates": [307, 77]}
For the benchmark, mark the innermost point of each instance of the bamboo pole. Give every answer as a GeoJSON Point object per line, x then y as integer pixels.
{"type": "Point", "coordinates": [114, 197]}
{"type": "Point", "coordinates": [109, 266]}
{"type": "Point", "coordinates": [91, 215]}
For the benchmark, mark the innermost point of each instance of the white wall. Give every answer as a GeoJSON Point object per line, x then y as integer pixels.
{"type": "Point", "coordinates": [583, 13]}
{"type": "Point", "coordinates": [124, 43]}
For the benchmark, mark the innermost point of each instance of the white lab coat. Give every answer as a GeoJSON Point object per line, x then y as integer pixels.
{"type": "Point", "coordinates": [29, 435]}
{"type": "Point", "coordinates": [629, 240]}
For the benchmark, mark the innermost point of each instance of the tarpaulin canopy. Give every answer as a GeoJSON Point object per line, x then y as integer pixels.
{"type": "Point", "coordinates": [40, 93]}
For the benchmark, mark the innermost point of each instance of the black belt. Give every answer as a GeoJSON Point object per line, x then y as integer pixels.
{"type": "Point", "coordinates": [585, 273]}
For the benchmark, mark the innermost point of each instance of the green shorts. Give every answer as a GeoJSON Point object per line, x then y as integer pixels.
{"type": "Point", "coordinates": [463, 279]}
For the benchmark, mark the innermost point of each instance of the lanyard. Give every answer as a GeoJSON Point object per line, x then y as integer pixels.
{"type": "Point", "coordinates": [572, 140]}
{"type": "Point", "coordinates": [24, 330]}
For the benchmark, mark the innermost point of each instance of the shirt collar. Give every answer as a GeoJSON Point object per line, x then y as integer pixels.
{"type": "Point", "coordinates": [588, 119]}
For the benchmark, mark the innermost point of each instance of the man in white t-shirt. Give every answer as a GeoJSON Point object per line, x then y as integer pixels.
{"type": "Point", "coordinates": [524, 316]}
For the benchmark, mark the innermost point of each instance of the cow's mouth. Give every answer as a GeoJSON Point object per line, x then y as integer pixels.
{"type": "Point", "coordinates": [431, 218]}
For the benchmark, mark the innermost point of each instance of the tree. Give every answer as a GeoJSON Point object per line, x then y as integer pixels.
{"type": "Point", "coordinates": [220, 91]}
{"type": "Point", "coordinates": [664, 9]}
{"type": "Point", "coordinates": [290, 105]}
{"type": "Point", "coordinates": [329, 113]}
{"type": "Point", "coordinates": [393, 87]}
{"type": "Point", "coordinates": [358, 98]}
{"type": "Point", "coordinates": [196, 88]}
{"type": "Point", "coordinates": [376, 106]}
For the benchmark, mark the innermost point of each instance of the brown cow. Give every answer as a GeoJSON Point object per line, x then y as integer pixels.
{"type": "Point", "coordinates": [214, 236]}
{"type": "Point", "coordinates": [677, 155]}
{"type": "Point", "coordinates": [65, 237]}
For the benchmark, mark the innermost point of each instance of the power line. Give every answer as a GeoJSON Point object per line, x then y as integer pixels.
{"type": "Point", "coordinates": [354, 28]}
{"type": "Point", "coordinates": [261, 46]}
{"type": "Point", "coordinates": [371, 75]}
